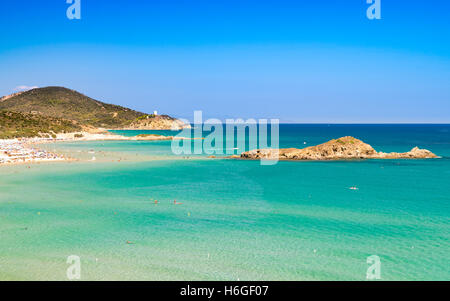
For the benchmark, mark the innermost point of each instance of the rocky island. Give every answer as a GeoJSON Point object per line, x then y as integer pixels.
{"type": "Point", "coordinates": [344, 148]}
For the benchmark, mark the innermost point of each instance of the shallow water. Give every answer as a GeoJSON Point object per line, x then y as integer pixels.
{"type": "Point", "coordinates": [238, 220]}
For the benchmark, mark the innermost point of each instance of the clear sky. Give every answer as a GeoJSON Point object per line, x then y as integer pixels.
{"type": "Point", "coordinates": [299, 61]}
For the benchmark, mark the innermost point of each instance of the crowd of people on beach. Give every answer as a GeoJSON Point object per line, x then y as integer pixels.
{"type": "Point", "coordinates": [20, 151]}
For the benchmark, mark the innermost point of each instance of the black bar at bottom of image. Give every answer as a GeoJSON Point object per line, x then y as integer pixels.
{"type": "Point", "coordinates": [220, 290]}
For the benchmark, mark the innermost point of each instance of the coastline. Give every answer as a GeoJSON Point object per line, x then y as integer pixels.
{"type": "Point", "coordinates": [49, 210]}
{"type": "Point", "coordinates": [24, 150]}
{"type": "Point", "coordinates": [18, 151]}
{"type": "Point", "coordinates": [344, 148]}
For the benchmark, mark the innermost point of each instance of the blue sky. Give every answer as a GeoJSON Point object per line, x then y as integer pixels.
{"type": "Point", "coordinates": [299, 61]}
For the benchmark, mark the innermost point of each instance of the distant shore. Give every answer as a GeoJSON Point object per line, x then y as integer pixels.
{"type": "Point", "coordinates": [24, 150]}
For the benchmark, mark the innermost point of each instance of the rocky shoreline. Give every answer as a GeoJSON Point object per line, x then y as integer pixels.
{"type": "Point", "coordinates": [344, 148]}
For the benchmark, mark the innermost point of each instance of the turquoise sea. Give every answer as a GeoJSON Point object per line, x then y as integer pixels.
{"type": "Point", "coordinates": [238, 220]}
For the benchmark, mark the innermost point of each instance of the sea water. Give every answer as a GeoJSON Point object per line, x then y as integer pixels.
{"type": "Point", "coordinates": [234, 219]}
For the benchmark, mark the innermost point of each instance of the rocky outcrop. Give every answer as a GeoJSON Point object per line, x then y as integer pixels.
{"type": "Point", "coordinates": [336, 149]}
{"type": "Point", "coordinates": [151, 137]}
{"type": "Point", "coordinates": [157, 122]}
{"type": "Point", "coordinates": [415, 153]}
{"type": "Point", "coordinates": [3, 98]}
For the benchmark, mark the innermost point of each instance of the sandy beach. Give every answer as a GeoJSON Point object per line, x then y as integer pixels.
{"type": "Point", "coordinates": [15, 151]}
{"type": "Point", "coordinates": [25, 150]}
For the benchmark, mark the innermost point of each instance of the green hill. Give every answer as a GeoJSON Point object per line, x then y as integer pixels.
{"type": "Point", "coordinates": [63, 103]}
{"type": "Point", "coordinates": [15, 125]}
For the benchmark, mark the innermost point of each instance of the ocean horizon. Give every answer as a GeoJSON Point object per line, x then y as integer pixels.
{"type": "Point", "coordinates": [233, 219]}
{"type": "Point", "coordinates": [224, 149]}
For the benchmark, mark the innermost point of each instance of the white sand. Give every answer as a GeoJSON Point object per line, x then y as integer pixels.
{"type": "Point", "coordinates": [13, 151]}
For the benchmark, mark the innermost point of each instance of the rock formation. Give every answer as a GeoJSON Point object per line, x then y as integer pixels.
{"type": "Point", "coordinates": [157, 122]}
{"type": "Point", "coordinates": [3, 98]}
{"type": "Point", "coordinates": [336, 149]}
{"type": "Point", "coordinates": [151, 137]}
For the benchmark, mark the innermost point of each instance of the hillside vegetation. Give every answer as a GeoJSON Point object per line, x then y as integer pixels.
{"type": "Point", "coordinates": [157, 122]}
{"type": "Point", "coordinates": [15, 125]}
{"type": "Point", "coordinates": [63, 103]}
